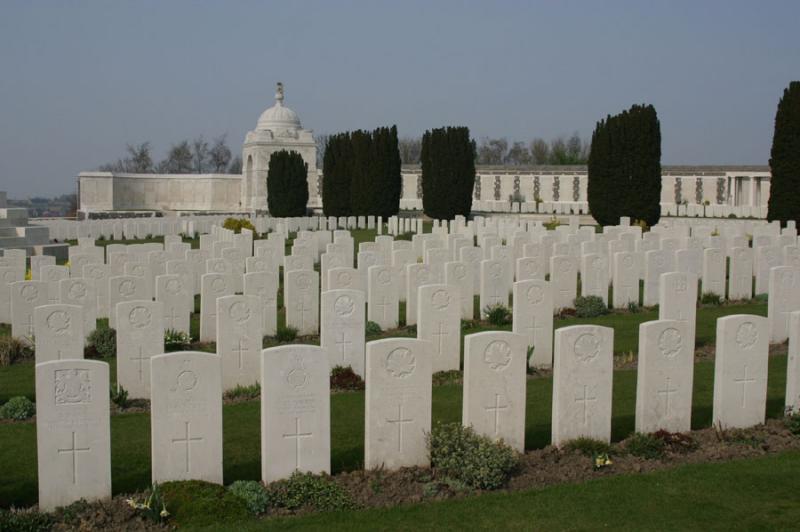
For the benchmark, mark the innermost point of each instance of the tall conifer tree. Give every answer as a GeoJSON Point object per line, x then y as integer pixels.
{"type": "Point", "coordinates": [784, 161]}
{"type": "Point", "coordinates": [287, 184]}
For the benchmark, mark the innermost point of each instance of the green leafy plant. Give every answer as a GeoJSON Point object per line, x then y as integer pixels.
{"type": "Point", "coordinates": [27, 520]}
{"type": "Point", "coordinates": [587, 446]}
{"type": "Point", "coordinates": [477, 461]}
{"type": "Point", "coordinates": [18, 408]}
{"type": "Point", "coordinates": [497, 314]}
{"type": "Point", "coordinates": [452, 376]}
{"type": "Point", "coordinates": [793, 424]}
{"type": "Point", "coordinates": [645, 446]}
{"type": "Point", "coordinates": [286, 334]}
{"type": "Point", "coordinates": [13, 350]}
{"type": "Point", "coordinates": [102, 342]}
{"type": "Point", "coordinates": [373, 329]}
{"type": "Point", "coordinates": [237, 224]}
{"type": "Point", "coordinates": [710, 298]}
{"type": "Point", "coordinates": [252, 493]}
{"type": "Point", "coordinates": [176, 340]}
{"type": "Point", "coordinates": [196, 504]}
{"type": "Point", "coordinates": [241, 392]}
{"type": "Point", "coordinates": [590, 307]}
{"type": "Point", "coordinates": [551, 224]}
{"type": "Point", "coordinates": [119, 396]}
{"type": "Point", "coordinates": [304, 491]}
{"type": "Point", "coordinates": [152, 506]}
{"type": "Point", "coordinates": [444, 485]}
{"type": "Point", "coordinates": [344, 378]}
{"type": "Point", "coordinates": [634, 307]}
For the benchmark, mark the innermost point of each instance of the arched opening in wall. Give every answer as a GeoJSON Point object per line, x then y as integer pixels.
{"type": "Point", "coordinates": [248, 179]}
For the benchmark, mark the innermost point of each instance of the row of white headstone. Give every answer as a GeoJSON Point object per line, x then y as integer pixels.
{"type": "Point", "coordinates": [73, 433]}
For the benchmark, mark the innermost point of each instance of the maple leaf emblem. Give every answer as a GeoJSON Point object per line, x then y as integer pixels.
{"type": "Point", "coordinates": [29, 292]}
{"type": "Point", "coordinates": [126, 288]}
{"type": "Point", "coordinates": [401, 363]}
{"type": "Point", "coordinates": [497, 355]}
{"type": "Point", "coordinates": [140, 317]}
{"type": "Point", "coordinates": [746, 335]}
{"type": "Point", "coordinates": [77, 291]}
{"type": "Point", "coordinates": [670, 342]}
{"type": "Point", "coordinates": [344, 305]}
{"type": "Point", "coordinates": [239, 312]}
{"type": "Point", "coordinates": [535, 294]}
{"type": "Point", "coordinates": [587, 347]}
{"type": "Point", "coordinates": [59, 322]}
{"type": "Point", "coordinates": [440, 299]}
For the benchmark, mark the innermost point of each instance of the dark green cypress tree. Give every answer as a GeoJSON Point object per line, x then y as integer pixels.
{"type": "Point", "coordinates": [336, 175]}
{"type": "Point", "coordinates": [625, 167]}
{"type": "Point", "coordinates": [448, 172]}
{"type": "Point", "coordinates": [784, 161]}
{"type": "Point", "coordinates": [360, 172]}
{"type": "Point", "coordinates": [287, 184]}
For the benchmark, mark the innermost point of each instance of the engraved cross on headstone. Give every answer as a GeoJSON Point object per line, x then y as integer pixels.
{"type": "Point", "coordinates": [496, 411]}
{"type": "Point", "coordinates": [342, 342]}
{"type": "Point", "coordinates": [240, 349]}
{"type": "Point", "coordinates": [667, 392]}
{"type": "Point", "coordinates": [744, 381]}
{"type": "Point", "coordinates": [399, 422]}
{"type": "Point", "coordinates": [439, 335]}
{"type": "Point", "coordinates": [297, 436]}
{"type": "Point", "coordinates": [140, 359]}
{"type": "Point", "coordinates": [172, 317]}
{"type": "Point", "coordinates": [583, 399]}
{"type": "Point", "coordinates": [187, 440]}
{"type": "Point", "coordinates": [73, 450]}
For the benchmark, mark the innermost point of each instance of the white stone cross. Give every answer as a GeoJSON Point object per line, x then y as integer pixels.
{"type": "Point", "coordinates": [439, 334]}
{"type": "Point", "coordinates": [744, 381]}
{"type": "Point", "coordinates": [303, 309]}
{"type": "Point", "coordinates": [382, 305]}
{"type": "Point", "coordinates": [667, 392]}
{"type": "Point", "coordinates": [297, 436]}
{"type": "Point", "coordinates": [187, 440]}
{"type": "Point", "coordinates": [583, 400]}
{"type": "Point", "coordinates": [240, 349]}
{"type": "Point", "coordinates": [496, 410]}
{"type": "Point", "coordinates": [140, 359]}
{"type": "Point", "coordinates": [343, 343]}
{"type": "Point", "coordinates": [73, 450]}
{"type": "Point", "coordinates": [400, 421]}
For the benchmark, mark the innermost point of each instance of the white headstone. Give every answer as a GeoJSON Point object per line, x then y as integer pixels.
{"type": "Point", "coordinates": [439, 324]}
{"type": "Point", "coordinates": [459, 275]}
{"type": "Point", "coordinates": [714, 262]}
{"type": "Point", "coordinates": [213, 285]}
{"type": "Point", "coordinates": [301, 299]}
{"type": "Point", "coordinates": [173, 292]}
{"type": "Point", "coordinates": [73, 436]}
{"type": "Point", "coordinates": [239, 339]}
{"type": "Point", "coordinates": [186, 417]}
{"type": "Point", "coordinates": [416, 275]}
{"type": "Point", "coordinates": [793, 366]}
{"type": "Point", "coordinates": [495, 284]}
{"type": "Point", "coordinates": [677, 300]}
{"type": "Point", "coordinates": [26, 296]}
{"type": "Point", "coordinates": [295, 411]}
{"type": "Point", "coordinates": [594, 276]}
{"type": "Point", "coordinates": [564, 280]}
{"type": "Point", "coordinates": [397, 403]}
{"type": "Point", "coordinates": [665, 377]}
{"type": "Point", "coordinates": [626, 280]}
{"type": "Point", "coordinates": [494, 386]}
{"type": "Point", "coordinates": [140, 335]}
{"type": "Point", "coordinates": [342, 328]}
{"type": "Point", "coordinates": [582, 379]}
{"type": "Point", "coordinates": [264, 285]}
{"type": "Point", "coordinates": [533, 319]}
{"type": "Point", "coordinates": [740, 277]}
{"type": "Point", "coordinates": [740, 371]}
{"type": "Point", "coordinates": [59, 332]}
{"type": "Point", "coordinates": [383, 301]}
{"type": "Point", "coordinates": [784, 298]}
{"type": "Point", "coordinates": [124, 288]}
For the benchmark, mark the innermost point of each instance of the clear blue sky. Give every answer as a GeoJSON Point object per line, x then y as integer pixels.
{"type": "Point", "coordinates": [81, 79]}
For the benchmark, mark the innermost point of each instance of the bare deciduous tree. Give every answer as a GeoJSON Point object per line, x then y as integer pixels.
{"type": "Point", "coordinates": [219, 156]}
{"type": "Point", "coordinates": [540, 151]}
{"type": "Point", "coordinates": [179, 160]}
{"type": "Point", "coordinates": [410, 149]}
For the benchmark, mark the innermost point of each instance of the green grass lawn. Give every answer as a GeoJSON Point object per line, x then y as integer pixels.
{"type": "Point", "coordinates": [754, 494]}
{"type": "Point", "coordinates": [130, 433]}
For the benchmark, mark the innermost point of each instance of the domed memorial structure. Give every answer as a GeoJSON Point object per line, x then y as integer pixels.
{"type": "Point", "coordinates": [277, 129]}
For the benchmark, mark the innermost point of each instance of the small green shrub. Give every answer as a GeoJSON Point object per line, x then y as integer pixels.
{"type": "Point", "coordinates": [344, 378]}
{"type": "Point", "coordinates": [373, 329]}
{"type": "Point", "coordinates": [634, 307]}
{"type": "Point", "coordinates": [25, 521]}
{"type": "Point", "coordinates": [480, 463]}
{"type": "Point", "coordinates": [444, 485]}
{"type": "Point", "coordinates": [176, 340]}
{"type": "Point", "coordinates": [13, 350]}
{"type": "Point", "coordinates": [252, 493]}
{"type": "Point", "coordinates": [18, 408]}
{"type": "Point", "coordinates": [761, 298]}
{"type": "Point", "coordinates": [286, 334]}
{"type": "Point", "coordinates": [587, 446]}
{"type": "Point", "coordinates": [645, 446]}
{"type": "Point", "coordinates": [710, 298]}
{"type": "Point", "coordinates": [793, 424]}
{"type": "Point", "coordinates": [497, 314]}
{"type": "Point", "coordinates": [590, 307]}
{"type": "Point", "coordinates": [237, 224]}
{"type": "Point", "coordinates": [304, 491]}
{"type": "Point", "coordinates": [119, 396]}
{"type": "Point", "coordinates": [468, 325]}
{"type": "Point", "coordinates": [552, 223]}
{"type": "Point", "coordinates": [195, 504]}
{"type": "Point", "coordinates": [102, 342]}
